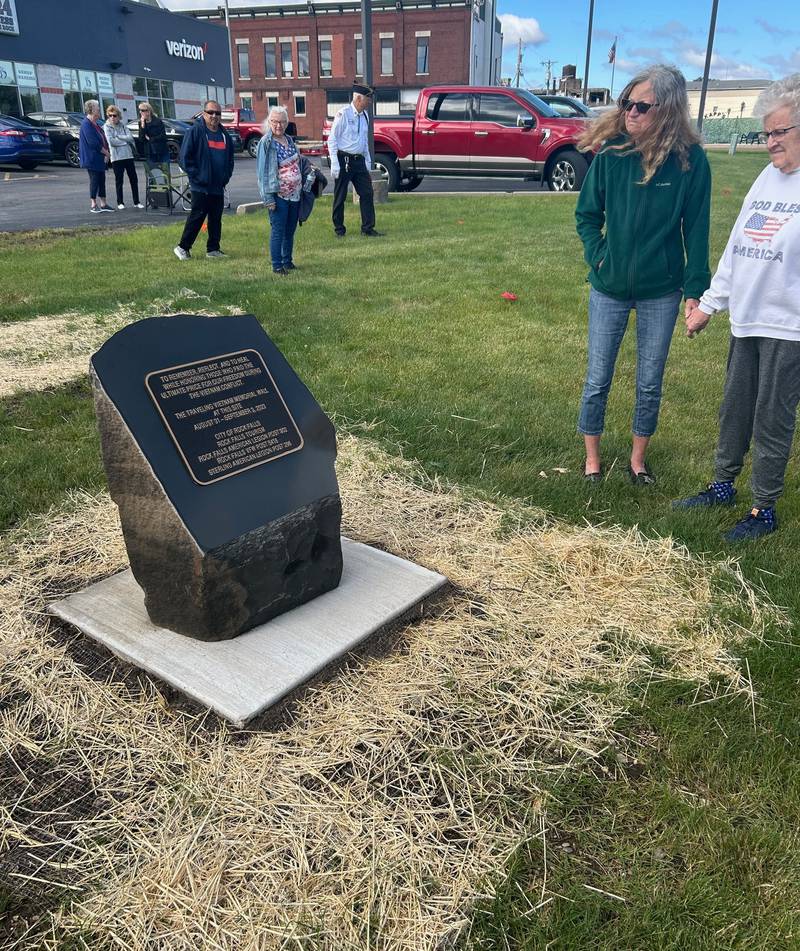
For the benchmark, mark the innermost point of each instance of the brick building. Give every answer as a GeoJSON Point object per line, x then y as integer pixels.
{"type": "Point", "coordinates": [305, 56]}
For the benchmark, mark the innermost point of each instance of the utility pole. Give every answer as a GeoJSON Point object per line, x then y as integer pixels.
{"type": "Point", "coordinates": [230, 57]}
{"type": "Point", "coordinates": [519, 64]}
{"type": "Point", "coordinates": [547, 63]}
{"type": "Point", "coordinates": [707, 69]}
{"type": "Point", "coordinates": [588, 53]}
{"type": "Point", "coordinates": [366, 47]}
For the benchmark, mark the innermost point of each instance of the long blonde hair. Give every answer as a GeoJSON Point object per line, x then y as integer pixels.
{"type": "Point", "coordinates": [671, 130]}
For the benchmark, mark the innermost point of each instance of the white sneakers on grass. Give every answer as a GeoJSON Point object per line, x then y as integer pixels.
{"type": "Point", "coordinates": [180, 254]}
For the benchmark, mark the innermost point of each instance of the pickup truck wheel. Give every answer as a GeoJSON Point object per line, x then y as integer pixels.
{"type": "Point", "coordinates": [409, 184]}
{"type": "Point", "coordinates": [387, 166]}
{"type": "Point", "coordinates": [567, 172]}
{"type": "Point", "coordinates": [72, 155]}
{"type": "Point", "coordinates": [252, 145]}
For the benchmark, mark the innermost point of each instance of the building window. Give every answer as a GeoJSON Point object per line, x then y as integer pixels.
{"type": "Point", "coordinates": [246, 102]}
{"type": "Point", "coordinates": [299, 103]}
{"type": "Point", "coordinates": [422, 55]}
{"type": "Point", "coordinates": [387, 102]}
{"type": "Point", "coordinates": [286, 60]}
{"type": "Point", "coordinates": [302, 58]}
{"type": "Point", "coordinates": [271, 99]}
{"type": "Point", "coordinates": [359, 57]}
{"type": "Point", "coordinates": [387, 50]}
{"type": "Point", "coordinates": [19, 89]}
{"type": "Point", "coordinates": [270, 61]}
{"type": "Point", "coordinates": [337, 99]}
{"type": "Point", "coordinates": [325, 58]}
{"type": "Point", "coordinates": [243, 58]}
{"type": "Point", "coordinates": [158, 92]}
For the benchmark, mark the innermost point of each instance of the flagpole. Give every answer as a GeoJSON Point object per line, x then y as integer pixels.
{"type": "Point", "coordinates": [588, 53]}
{"type": "Point", "coordinates": [613, 67]}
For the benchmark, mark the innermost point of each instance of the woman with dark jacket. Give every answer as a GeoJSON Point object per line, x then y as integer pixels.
{"type": "Point", "coordinates": [94, 153]}
{"type": "Point", "coordinates": [152, 136]}
{"type": "Point", "coordinates": [643, 218]}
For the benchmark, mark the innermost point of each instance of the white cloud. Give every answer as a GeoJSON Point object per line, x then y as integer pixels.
{"type": "Point", "coordinates": [517, 28]}
{"type": "Point", "coordinates": [722, 67]}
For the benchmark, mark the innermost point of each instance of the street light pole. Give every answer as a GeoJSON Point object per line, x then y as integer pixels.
{"type": "Point", "coordinates": [588, 53]}
{"type": "Point", "coordinates": [230, 56]}
{"type": "Point", "coordinates": [366, 49]}
{"type": "Point", "coordinates": [707, 69]}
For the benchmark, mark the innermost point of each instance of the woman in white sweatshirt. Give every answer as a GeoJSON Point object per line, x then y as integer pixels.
{"type": "Point", "coordinates": [758, 282]}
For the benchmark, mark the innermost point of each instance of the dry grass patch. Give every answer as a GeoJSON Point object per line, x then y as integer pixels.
{"type": "Point", "coordinates": [374, 818]}
{"type": "Point", "coordinates": [48, 351]}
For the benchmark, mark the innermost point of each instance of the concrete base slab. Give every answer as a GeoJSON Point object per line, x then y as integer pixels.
{"type": "Point", "coordinates": [240, 678]}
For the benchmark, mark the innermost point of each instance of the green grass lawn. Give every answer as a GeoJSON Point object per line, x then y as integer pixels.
{"type": "Point", "coordinates": [409, 336]}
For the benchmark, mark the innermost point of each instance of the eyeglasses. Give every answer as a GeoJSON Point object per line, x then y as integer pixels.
{"type": "Point", "coordinates": [212, 112]}
{"type": "Point", "coordinates": [143, 111]}
{"type": "Point", "coordinates": [277, 122]}
{"type": "Point", "coordinates": [641, 107]}
{"type": "Point", "coordinates": [779, 133]}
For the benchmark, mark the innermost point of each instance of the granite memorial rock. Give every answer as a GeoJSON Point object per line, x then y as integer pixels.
{"type": "Point", "coordinates": [221, 463]}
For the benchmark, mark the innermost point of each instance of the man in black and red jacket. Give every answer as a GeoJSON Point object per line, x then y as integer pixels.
{"type": "Point", "coordinates": [207, 158]}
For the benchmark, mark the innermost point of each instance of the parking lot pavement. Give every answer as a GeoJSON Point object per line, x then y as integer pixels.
{"type": "Point", "coordinates": [57, 196]}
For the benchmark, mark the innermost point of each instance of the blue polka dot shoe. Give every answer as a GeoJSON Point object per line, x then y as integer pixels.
{"type": "Point", "coordinates": [716, 493]}
{"type": "Point", "coordinates": [756, 523]}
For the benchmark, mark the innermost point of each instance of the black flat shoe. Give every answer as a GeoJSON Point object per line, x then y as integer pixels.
{"type": "Point", "coordinates": [593, 476]}
{"type": "Point", "coordinates": [645, 477]}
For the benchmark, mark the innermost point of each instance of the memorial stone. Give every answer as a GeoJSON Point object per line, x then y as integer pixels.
{"type": "Point", "coordinates": [221, 463]}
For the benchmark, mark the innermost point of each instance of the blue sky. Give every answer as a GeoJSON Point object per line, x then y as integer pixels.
{"type": "Point", "coordinates": [753, 40]}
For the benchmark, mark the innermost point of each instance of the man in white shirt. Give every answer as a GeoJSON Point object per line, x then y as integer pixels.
{"type": "Point", "coordinates": [348, 147]}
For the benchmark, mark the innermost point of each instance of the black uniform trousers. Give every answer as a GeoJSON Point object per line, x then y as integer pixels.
{"type": "Point", "coordinates": [203, 205]}
{"type": "Point", "coordinates": [353, 168]}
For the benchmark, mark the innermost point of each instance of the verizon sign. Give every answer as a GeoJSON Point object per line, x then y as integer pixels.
{"type": "Point", "coordinates": [184, 50]}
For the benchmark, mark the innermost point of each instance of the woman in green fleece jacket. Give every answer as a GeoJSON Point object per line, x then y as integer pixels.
{"type": "Point", "coordinates": [643, 218]}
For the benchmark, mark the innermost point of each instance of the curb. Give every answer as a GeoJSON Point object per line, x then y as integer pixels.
{"type": "Point", "coordinates": [249, 207]}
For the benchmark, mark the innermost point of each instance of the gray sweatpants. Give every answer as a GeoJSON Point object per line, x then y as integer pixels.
{"type": "Point", "coordinates": [762, 390]}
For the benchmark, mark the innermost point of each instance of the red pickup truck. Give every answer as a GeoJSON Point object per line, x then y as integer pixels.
{"type": "Point", "coordinates": [244, 122]}
{"type": "Point", "coordinates": [496, 131]}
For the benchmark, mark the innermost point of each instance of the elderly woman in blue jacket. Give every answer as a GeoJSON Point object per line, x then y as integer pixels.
{"type": "Point", "coordinates": [280, 183]}
{"type": "Point", "coordinates": [94, 152]}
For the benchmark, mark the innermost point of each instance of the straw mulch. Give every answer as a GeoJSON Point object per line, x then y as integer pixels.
{"type": "Point", "coordinates": [47, 351]}
{"type": "Point", "coordinates": [374, 818]}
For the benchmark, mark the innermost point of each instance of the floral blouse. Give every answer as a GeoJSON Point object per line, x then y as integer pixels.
{"type": "Point", "coordinates": [289, 177]}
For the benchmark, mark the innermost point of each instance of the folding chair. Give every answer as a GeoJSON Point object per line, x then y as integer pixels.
{"type": "Point", "coordinates": [158, 187]}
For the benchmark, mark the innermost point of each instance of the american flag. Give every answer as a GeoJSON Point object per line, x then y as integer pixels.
{"type": "Point", "coordinates": [762, 227]}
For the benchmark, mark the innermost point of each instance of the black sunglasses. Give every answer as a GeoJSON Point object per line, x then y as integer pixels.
{"type": "Point", "coordinates": [212, 112]}
{"type": "Point", "coordinates": [641, 107]}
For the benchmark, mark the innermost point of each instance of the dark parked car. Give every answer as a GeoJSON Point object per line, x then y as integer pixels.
{"type": "Point", "coordinates": [176, 129]}
{"type": "Point", "coordinates": [23, 144]}
{"type": "Point", "coordinates": [64, 129]}
{"type": "Point", "coordinates": [568, 107]}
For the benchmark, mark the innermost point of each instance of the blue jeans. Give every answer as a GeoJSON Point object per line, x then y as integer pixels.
{"type": "Point", "coordinates": [608, 319]}
{"type": "Point", "coordinates": [283, 224]}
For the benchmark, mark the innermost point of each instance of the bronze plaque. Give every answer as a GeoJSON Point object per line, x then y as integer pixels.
{"type": "Point", "coordinates": [225, 414]}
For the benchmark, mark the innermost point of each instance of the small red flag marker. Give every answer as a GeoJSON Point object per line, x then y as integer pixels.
{"type": "Point", "coordinates": [507, 295]}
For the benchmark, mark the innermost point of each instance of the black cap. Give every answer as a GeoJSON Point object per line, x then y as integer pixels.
{"type": "Point", "coordinates": [362, 90]}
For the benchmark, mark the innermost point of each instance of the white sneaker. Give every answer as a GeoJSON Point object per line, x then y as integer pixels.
{"type": "Point", "coordinates": [180, 254]}
{"type": "Point", "coordinates": [95, 210]}
{"type": "Point", "coordinates": [139, 205]}
{"type": "Point", "coordinates": [120, 207]}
